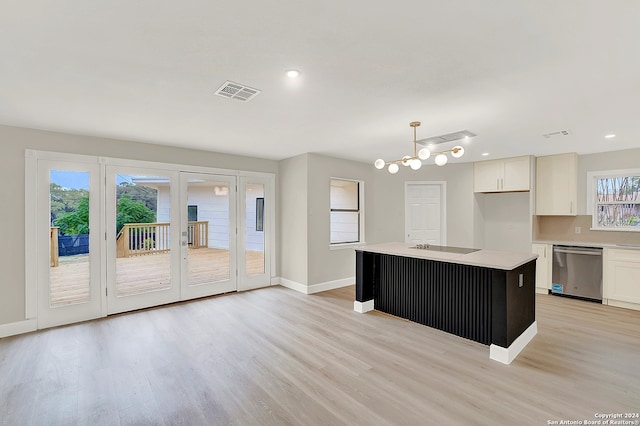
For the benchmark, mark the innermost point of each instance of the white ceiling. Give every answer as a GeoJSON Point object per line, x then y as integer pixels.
{"type": "Point", "coordinates": [507, 70]}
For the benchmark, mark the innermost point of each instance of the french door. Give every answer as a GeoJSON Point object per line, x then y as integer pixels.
{"type": "Point", "coordinates": [115, 236]}
{"type": "Point", "coordinates": [254, 232]}
{"type": "Point", "coordinates": [69, 267]}
{"type": "Point", "coordinates": [208, 234]}
{"type": "Point", "coordinates": [143, 237]}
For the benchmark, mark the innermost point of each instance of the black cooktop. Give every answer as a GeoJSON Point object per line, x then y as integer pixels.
{"type": "Point", "coordinates": [446, 249]}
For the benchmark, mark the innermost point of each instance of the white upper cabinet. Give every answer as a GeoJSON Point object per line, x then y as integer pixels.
{"type": "Point", "coordinates": [506, 175]}
{"type": "Point", "coordinates": [557, 185]}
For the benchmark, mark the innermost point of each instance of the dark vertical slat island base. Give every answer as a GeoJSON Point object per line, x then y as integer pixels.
{"type": "Point", "coordinates": [485, 296]}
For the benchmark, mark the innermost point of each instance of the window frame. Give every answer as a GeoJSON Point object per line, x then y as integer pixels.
{"type": "Point", "coordinates": [592, 196]}
{"type": "Point", "coordinates": [361, 215]}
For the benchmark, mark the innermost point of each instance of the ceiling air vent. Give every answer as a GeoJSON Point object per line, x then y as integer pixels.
{"type": "Point", "coordinates": [449, 137]}
{"type": "Point", "coordinates": [560, 133]}
{"type": "Point", "coordinates": [237, 91]}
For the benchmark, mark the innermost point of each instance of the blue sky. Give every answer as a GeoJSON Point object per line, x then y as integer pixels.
{"type": "Point", "coordinates": [78, 180]}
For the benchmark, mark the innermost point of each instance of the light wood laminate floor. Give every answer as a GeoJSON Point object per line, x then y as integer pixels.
{"type": "Point", "coordinates": [275, 357]}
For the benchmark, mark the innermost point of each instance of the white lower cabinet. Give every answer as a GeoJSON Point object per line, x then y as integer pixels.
{"type": "Point", "coordinates": [543, 266]}
{"type": "Point", "coordinates": [621, 278]}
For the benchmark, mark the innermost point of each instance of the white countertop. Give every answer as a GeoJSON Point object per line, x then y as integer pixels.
{"type": "Point", "coordinates": [586, 244]}
{"type": "Point", "coordinates": [485, 258]}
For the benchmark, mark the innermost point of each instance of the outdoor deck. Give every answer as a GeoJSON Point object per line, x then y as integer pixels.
{"type": "Point", "coordinates": [139, 274]}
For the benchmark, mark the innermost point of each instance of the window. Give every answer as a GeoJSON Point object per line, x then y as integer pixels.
{"type": "Point", "coordinates": [615, 199]}
{"type": "Point", "coordinates": [192, 213]}
{"type": "Point", "coordinates": [260, 214]}
{"type": "Point", "coordinates": [346, 216]}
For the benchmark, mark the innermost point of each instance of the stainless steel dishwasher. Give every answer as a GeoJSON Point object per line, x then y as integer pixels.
{"type": "Point", "coordinates": [577, 272]}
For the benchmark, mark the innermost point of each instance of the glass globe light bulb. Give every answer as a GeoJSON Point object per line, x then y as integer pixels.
{"type": "Point", "coordinates": [457, 151]}
{"type": "Point", "coordinates": [416, 164]}
{"type": "Point", "coordinates": [393, 168]}
{"type": "Point", "coordinates": [379, 164]}
{"type": "Point", "coordinates": [405, 160]}
{"type": "Point", "coordinates": [424, 153]}
{"type": "Point", "coordinates": [441, 159]}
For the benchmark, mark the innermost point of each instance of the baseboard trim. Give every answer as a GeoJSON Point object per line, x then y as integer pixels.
{"type": "Point", "coordinates": [315, 288]}
{"type": "Point", "coordinates": [19, 327]}
{"type": "Point", "coordinates": [293, 285]}
{"type": "Point", "coordinates": [507, 355]}
{"type": "Point", "coordinates": [330, 285]}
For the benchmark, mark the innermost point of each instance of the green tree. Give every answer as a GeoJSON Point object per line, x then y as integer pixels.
{"type": "Point", "coordinates": [65, 200]}
{"type": "Point", "coordinates": [76, 222]}
{"type": "Point", "coordinates": [130, 211]}
{"type": "Point", "coordinates": [147, 196]}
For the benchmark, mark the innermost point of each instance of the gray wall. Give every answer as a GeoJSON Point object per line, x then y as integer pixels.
{"type": "Point", "coordinates": [292, 209]}
{"type": "Point", "coordinates": [388, 201]}
{"type": "Point", "coordinates": [14, 141]}
{"type": "Point", "coordinates": [325, 264]}
{"type": "Point", "coordinates": [506, 223]}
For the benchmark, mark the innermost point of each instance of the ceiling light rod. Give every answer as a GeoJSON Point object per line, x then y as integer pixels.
{"type": "Point", "coordinates": [415, 161]}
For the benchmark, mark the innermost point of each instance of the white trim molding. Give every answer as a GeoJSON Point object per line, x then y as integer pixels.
{"type": "Point", "coordinates": [507, 355]}
{"type": "Point", "coordinates": [314, 288]}
{"type": "Point", "coordinates": [362, 307]}
{"type": "Point", "coordinates": [19, 327]}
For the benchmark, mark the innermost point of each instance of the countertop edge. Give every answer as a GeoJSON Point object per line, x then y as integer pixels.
{"type": "Point", "coordinates": [482, 258]}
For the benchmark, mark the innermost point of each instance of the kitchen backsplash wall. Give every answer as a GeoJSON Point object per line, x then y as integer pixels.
{"type": "Point", "coordinates": [563, 228]}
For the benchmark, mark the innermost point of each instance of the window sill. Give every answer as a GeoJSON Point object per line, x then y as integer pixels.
{"type": "Point", "coordinates": [342, 246]}
{"type": "Point", "coordinates": [615, 229]}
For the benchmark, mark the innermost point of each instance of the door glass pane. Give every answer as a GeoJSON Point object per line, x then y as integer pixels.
{"type": "Point", "coordinates": [254, 226]}
{"type": "Point", "coordinates": [143, 257]}
{"type": "Point", "coordinates": [69, 238]}
{"type": "Point", "coordinates": [208, 231]}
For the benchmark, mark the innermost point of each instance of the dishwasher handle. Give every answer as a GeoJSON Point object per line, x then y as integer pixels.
{"type": "Point", "coordinates": [587, 252]}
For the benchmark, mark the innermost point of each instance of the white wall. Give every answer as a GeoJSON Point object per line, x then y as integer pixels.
{"type": "Point", "coordinates": [13, 143]}
{"type": "Point", "coordinates": [212, 208]}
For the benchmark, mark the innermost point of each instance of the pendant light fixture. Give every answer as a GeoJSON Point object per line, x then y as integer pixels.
{"type": "Point", "coordinates": [415, 161]}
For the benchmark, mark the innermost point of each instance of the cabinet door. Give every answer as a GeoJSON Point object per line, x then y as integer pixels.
{"type": "Point", "coordinates": [622, 268]}
{"type": "Point", "coordinates": [543, 266]}
{"type": "Point", "coordinates": [516, 174]}
{"type": "Point", "coordinates": [486, 176]}
{"type": "Point", "coordinates": [556, 185]}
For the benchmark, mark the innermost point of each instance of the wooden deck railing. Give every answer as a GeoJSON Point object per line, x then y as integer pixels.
{"type": "Point", "coordinates": [198, 234]}
{"type": "Point", "coordinates": [53, 251]}
{"type": "Point", "coordinates": [137, 239]}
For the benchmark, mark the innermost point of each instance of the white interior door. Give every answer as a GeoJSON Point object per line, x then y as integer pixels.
{"type": "Point", "coordinates": [255, 198]}
{"type": "Point", "coordinates": [425, 213]}
{"type": "Point", "coordinates": [69, 206]}
{"type": "Point", "coordinates": [143, 237]}
{"type": "Point", "coordinates": [208, 234]}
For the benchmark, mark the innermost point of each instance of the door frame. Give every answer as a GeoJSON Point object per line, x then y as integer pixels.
{"type": "Point", "coordinates": [31, 218]}
{"type": "Point", "coordinates": [443, 207]}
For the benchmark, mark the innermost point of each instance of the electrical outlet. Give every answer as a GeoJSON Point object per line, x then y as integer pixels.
{"type": "Point", "coordinates": [578, 229]}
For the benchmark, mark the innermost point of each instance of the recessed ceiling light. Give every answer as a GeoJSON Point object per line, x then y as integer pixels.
{"type": "Point", "coordinates": [484, 154]}
{"type": "Point", "coordinates": [293, 73]}
{"type": "Point", "coordinates": [611, 136]}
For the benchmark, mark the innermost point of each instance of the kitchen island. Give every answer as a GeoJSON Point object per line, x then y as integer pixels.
{"type": "Point", "coordinates": [483, 295]}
